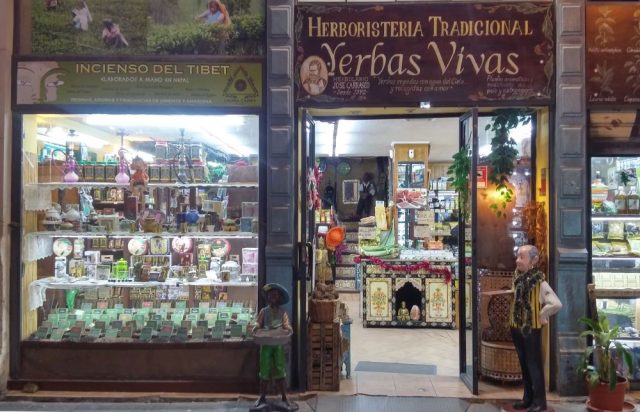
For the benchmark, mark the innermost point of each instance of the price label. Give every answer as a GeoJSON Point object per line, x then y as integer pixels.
{"type": "Point", "coordinates": [421, 232]}
{"type": "Point", "coordinates": [425, 217]}
{"type": "Point", "coordinates": [367, 232]}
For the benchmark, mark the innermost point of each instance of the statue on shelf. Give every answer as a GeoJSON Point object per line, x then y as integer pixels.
{"type": "Point", "coordinates": [403, 312]}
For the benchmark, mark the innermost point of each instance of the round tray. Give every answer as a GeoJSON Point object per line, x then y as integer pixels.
{"type": "Point", "coordinates": [272, 336]}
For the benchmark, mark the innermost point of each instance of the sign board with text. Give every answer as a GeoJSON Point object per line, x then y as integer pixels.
{"type": "Point", "coordinates": [437, 52]}
{"type": "Point", "coordinates": [220, 84]}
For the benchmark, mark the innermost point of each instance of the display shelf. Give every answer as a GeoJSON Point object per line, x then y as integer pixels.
{"type": "Point", "coordinates": [54, 283]}
{"type": "Point", "coordinates": [78, 185]}
{"type": "Point", "coordinates": [600, 218]}
{"type": "Point", "coordinates": [624, 257]}
{"type": "Point", "coordinates": [199, 235]}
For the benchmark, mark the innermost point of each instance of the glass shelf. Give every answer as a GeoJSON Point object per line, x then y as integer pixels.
{"type": "Point", "coordinates": [615, 257]}
{"type": "Point", "coordinates": [116, 235]}
{"type": "Point", "coordinates": [78, 185]}
{"type": "Point", "coordinates": [599, 218]}
{"type": "Point", "coordinates": [53, 283]}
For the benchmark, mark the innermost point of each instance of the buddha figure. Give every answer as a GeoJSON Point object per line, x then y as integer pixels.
{"type": "Point", "coordinates": [403, 312]}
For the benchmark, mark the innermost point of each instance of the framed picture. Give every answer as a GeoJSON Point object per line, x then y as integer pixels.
{"type": "Point", "coordinates": [76, 268]}
{"type": "Point", "coordinates": [350, 191]}
{"type": "Point", "coordinates": [90, 270]}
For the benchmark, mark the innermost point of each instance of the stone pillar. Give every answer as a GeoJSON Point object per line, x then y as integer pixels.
{"type": "Point", "coordinates": [569, 185]}
{"type": "Point", "coordinates": [6, 48]}
{"type": "Point", "coordinates": [279, 196]}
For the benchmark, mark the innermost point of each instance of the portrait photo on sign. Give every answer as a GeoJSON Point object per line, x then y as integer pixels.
{"type": "Point", "coordinates": [138, 27]}
{"type": "Point", "coordinates": [314, 75]}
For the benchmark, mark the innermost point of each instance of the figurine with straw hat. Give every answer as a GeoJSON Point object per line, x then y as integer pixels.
{"type": "Point", "coordinates": [272, 332]}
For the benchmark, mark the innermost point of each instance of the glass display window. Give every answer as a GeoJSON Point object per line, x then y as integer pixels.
{"type": "Point", "coordinates": [139, 228]}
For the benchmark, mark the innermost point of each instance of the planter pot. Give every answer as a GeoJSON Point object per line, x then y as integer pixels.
{"type": "Point", "coordinates": [600, 397]}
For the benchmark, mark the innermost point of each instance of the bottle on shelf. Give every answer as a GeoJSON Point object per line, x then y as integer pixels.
{"type": "Point", "coordinates": [633, 202]}
{"type": "Point", "coordinates": [599, 192]}
{"type": "Point", "coordinates": [621, 201]}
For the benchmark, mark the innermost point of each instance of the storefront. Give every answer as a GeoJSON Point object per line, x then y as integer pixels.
{"type": "Point", "coordinates": [613, 160]}
{"type": "Point", "coordinates": [136, 182]}
{"type": "Point", "coordinates": [393, 97]}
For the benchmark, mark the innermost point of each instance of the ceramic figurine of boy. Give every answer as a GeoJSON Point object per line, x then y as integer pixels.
{"type": "Point", "coordinates": [272, 361]}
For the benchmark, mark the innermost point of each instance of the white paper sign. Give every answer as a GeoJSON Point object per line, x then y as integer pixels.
{"type": "Point", "coordinates": [425, 217]}
{"type": "Point", "coordinates": [367, 232]}
{"type": "Point", "coordinates": [421, 232]}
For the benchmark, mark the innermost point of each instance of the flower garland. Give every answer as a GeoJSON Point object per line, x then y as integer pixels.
{"type": "Point", "coordinates": [443, 271]}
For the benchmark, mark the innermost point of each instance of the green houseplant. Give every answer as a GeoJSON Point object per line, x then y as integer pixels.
{"type": "Point", "coordinates": [503, 154]}
{"type": "Point", "coordinates": [459, 172]}
{"type": "Point", "coordinates": [606, 386]}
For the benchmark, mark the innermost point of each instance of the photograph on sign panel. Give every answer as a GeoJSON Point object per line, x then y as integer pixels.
{"type": "Point", "coordinates": [117, 27]}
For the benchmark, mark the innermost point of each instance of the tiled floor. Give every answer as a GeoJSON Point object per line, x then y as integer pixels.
{"type": "Point", "coordinates": [437, 347]}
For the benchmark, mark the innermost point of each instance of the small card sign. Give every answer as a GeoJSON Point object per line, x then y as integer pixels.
{"type": "Point", "coordinates": [221, 304]}
{"type": "Point", "coordinates": [198, 332]}
{"type": "Point", "coordinates": [425, 217]}
{"type": "Point", "coordinates": [86, 306]}
{"type": "Point", "coordinates": [75, 333]}
{"type": "Point", "coordinates": [147, 304]}
{"type": "Point", "coordinates": [126, 332]}
{"type": "Point", "coordinates": [102, 304]}
{"type": "Point", "coordinates": [203, 323]}
{"type": "Point", "coordinates": [62, 310]}
{"type": "Point", "coordinates": [165, 305]}
{"type": "Point", "coordinates": [204, 305]}
{"type": "Point", "coordinates": [95, 332]}
{"type": "Point", "coordinates": [181, 304]}
{"type": "Point", "coordinates": [57, 334]}
{"type": "Point", "coordinates": [194, 310]}
{"type": "Point", "coordinates": [42, 332]}
{"type": "Point", "coordinates": [146, 333]}
{"type": "Point", "coordinates": [236, 331]}
{"type": "Point", "coordinates": [80, 323]}
{"type": "Point", "coordinates": [186, 324]}
{"type": "Point", "coordinates": [116, 324]}
{"type": "Point", "coordinates": [111, 333]}
{"type": "Point", "coordinates": [421, 232]}
{"type": "Point", "coordinates": [217, 333]}
{"type": "Point", "coordinates": [64, 324]}
{"type": "Point", "coordinates": [193, 317]}
{"type": "Point", "coordinates": [367, 232]}
{"type": "Point", "coordinates": [166, 332]}
{"type": "Point", "coordinates": [183, 334]}
{"type": "Point", "coordinates": [153, 324]}
{"type": "Point", "coordinates": [118, 306]}
{"type": "Point", "coordinates": [100, 324]}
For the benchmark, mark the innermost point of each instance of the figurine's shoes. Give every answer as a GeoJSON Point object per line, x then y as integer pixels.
{"type": "Point", "coordinates": [537, 408]}
{"type": "Point", "coordinates": [285, 406]}
{"type": "Point", "coordinates": [520, 405]}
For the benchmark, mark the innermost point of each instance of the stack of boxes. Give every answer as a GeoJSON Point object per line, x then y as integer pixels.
{"type": "Point", "coordinates": [249, 264]}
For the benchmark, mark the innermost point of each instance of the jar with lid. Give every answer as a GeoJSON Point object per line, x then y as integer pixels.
{"type": "Point", "coordinates": [233, 268]}
{"type": "Point", "coordinates": [599, 192]}
{"type": "Point", "coordinates": [621, 201]}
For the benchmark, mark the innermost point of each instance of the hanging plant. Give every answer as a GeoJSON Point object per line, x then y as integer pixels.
{"type": "Point", "coordinates": [459, 172]}
{"type": "Point", "coordinates": [503, 154]}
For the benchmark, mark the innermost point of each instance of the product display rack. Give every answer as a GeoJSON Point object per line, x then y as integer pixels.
{"type": "Point", "coordinates": [347, 275]}
{"type": "Point", "coordinates": [615, 254]}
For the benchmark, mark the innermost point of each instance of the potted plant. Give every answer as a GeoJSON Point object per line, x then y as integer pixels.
{"type": "Point", "coordinates": [606, 385]}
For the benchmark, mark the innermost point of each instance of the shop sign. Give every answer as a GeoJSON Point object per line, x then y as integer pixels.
{"type": "Point", "coordinates": [430, 52]}
{"type": "Point", "coordinates": [141, 27]}
{"type": "Point", "coordinates": [613, 53]}
{"type": "Point", "coordinates": [139, 83]}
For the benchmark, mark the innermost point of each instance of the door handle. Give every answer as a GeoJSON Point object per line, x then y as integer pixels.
{"type": "Point", "coordinates": [310, 259]}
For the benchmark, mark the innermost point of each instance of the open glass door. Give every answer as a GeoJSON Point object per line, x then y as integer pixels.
{"type": "Point", "coordinates": [467, 268]}
{"type": "Point", "coordinates": [306, 239]}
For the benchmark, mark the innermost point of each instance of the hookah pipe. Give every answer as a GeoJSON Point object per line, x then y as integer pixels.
{"type": "Point", "coordinates": [183, 161]}
{"type": "Point", "coordinates": [70, 166]}
{"type": "Point", "coordinates": [122, 177]}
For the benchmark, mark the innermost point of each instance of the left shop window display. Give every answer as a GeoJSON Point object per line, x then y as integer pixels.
{"type": "Point", "coordinates": [139, 228]}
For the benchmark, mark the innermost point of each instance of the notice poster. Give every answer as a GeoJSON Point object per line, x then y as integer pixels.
{"type": "Point", "coordinates": [400, 53]}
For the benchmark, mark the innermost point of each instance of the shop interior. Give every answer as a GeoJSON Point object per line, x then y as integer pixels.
{"type": "Point", "coordinates": [412, 347]}
{"type": "Point", "coordinates": [139, 228]}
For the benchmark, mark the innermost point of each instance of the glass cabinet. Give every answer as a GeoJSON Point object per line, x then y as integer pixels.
{"type": "Point", "coordinates": [139, 232]}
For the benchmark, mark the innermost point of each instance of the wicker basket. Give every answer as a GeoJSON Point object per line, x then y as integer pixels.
{"type": "Point", "coordinates": [499, 360]}
{"type": "Point", "coordinates": [323, 311]}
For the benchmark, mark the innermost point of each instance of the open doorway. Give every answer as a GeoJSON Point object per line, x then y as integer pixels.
{"type": "Point", "coordinates": [420, 348]}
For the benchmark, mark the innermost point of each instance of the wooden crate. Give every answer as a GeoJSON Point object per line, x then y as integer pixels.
{"type": "Point", "coordinates": [323, 365]}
